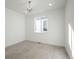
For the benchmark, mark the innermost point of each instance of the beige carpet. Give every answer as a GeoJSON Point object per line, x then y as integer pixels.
{"type": "Point", "coordinates": [33, 50]}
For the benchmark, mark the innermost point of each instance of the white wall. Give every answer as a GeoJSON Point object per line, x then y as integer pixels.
{"type": "Point", "coordinates": [56, 28]}
{"type": "Point", "coordinates": [69, 19]}
{"type": "Point", "coordinates": [15, 27]}
{"type": "Point", "coordinates": [20, 27]}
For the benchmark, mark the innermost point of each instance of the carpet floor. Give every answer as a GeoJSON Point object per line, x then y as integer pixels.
{"type": "Point", "coordinates": [34, 50]}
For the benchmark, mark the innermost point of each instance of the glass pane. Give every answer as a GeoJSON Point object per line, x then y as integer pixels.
{"type": "Point", "coordinates": [45, 25]}
{"type": "Point", "coordinates": [40, 24]}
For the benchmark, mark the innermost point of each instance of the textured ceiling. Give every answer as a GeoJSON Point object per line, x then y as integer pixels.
{"type": "Point", "coordinates": [37, 5]}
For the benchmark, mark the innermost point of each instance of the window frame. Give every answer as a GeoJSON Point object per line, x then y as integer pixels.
{"type": "Point", "coordinates": [39, 18]}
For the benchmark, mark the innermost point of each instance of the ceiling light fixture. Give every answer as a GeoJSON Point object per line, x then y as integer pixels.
{"type": "Point", "coordinates": [50, 4]}
{"type": "Point", "coordinates": [29, 7]}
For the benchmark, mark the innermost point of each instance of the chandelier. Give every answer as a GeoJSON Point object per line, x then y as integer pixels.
{"type": "Point", "coordinates": [29, 7]}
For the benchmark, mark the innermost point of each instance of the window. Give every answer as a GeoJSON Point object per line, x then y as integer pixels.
{"type": "Point", "coordinates": [40, 24]}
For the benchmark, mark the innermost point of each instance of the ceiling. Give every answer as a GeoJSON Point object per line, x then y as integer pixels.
{"type": "Point", "coordinates": [37, 5]}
